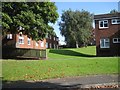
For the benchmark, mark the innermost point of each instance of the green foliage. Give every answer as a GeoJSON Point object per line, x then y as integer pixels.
{"type": "Point", "coordinates": [114, 11]}
{"type": "Point", "coordinates": [76, 26]}
{"type": "Point", "coordinates": [32, 16]}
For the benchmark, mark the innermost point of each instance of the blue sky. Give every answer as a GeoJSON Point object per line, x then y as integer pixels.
{"type": "Point", "coordinates": [92, 7]}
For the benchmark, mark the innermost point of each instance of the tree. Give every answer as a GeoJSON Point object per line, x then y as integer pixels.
{"type": "Point", "coordinates": [76, 27]}
{"type": "Point", "coordinates": [31, 17]}
{"type": "Point", "coordinates": [114, 11]}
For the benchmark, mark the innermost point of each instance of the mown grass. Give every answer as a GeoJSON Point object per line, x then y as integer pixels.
{"type": "Point", "coordinates": [60, 63]}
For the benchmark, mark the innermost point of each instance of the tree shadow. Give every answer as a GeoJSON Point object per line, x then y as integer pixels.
{"type": "Point", "coordinates": [21, 84]}
{"type": "Point", "coordinates": [44, 85]}
{"type": "Point", "coordinates": [70, 53]}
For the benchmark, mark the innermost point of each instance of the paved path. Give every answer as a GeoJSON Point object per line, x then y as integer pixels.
{"type": "Point", "coordinates": [70, 82]}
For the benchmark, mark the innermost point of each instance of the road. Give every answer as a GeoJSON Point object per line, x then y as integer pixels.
{"type": "Point", "coordinates": [66, 83]}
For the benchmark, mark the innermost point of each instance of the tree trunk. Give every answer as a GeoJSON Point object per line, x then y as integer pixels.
{"type": "Point", "coordinates": [77, 44]}
{"type": "Point", "coordinates": [85, 45]}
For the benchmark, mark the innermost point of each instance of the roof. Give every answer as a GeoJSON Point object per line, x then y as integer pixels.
{"type": "Point", "coordinates": [106, 16]}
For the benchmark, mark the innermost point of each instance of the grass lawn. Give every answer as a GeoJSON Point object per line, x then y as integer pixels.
{"type": "Point", "coordinates": [60, 63]}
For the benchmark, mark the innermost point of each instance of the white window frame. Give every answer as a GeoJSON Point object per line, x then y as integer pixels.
{"type": "Point", "coordinates": [21, 40]}
{"type": "Point", "coordinates": [116, 21]}
{"type": "Point", "coordinates": [104, 22]}
{"type": "Point", "coordinates": [9, 36]}
{"type": "Point", "coordinates": [106, 40]}
{"type": "Point", "coordinates": [29, 41]}
{"type": "Point", "coordinates": [54, 38]}
{"type": "Point", "coordinates": [116, 41]}
{"type": "Point", "coordinates": [42, 44]}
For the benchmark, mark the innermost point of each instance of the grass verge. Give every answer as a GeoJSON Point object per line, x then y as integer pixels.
{"type": "Point", "coordinates": [60, 63]}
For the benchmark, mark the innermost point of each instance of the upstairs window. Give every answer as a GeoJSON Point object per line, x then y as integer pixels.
{"type": "Point", "coordinates": [54, 38]}
{"type": "Point", "coordinates": [116, 40]}
{"type": "Point", "coordinates": [9, 36]}
{"type": "Point", "coordinates": [104, 43]}
{"type": "Point", "coordinates": [21, 40]}
{"type": "Point", "coordinates": [29, 41]}
{"type": "Point", "coordinates": [42, 44]}
{"type": "Point", "coordinates": [115, 21]}
{"type": "Point", "coordinates": [103, 24]}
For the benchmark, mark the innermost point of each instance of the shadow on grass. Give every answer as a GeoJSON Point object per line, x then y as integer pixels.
{"type": "Point", "coordinates": [70, 53]}
{"type": "Point", "coordinates": [21, 84]}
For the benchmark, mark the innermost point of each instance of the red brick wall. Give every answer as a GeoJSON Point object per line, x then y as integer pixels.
{"type": "Point", "coordinates": [39, 44]}
{"type": "Point", "coordinates": [111, 32]}
{"type": "Point", "coordinates": [52, 41]}
{"type": "Point", "coordinates": [32, 43]}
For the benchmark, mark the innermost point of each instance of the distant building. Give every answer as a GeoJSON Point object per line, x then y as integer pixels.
{"type": "Point", "coordinates": [52, 41]}
{"type": "Point", "coordinates": [20, 45]}
{"type": "Point", "coordinates": [107, 32]}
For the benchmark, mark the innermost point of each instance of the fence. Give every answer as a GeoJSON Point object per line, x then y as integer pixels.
{"type": "Point", "coordinates": [23, 53]}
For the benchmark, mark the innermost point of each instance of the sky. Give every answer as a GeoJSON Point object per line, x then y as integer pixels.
{"type": "Point", "coordinates": [93, 7]}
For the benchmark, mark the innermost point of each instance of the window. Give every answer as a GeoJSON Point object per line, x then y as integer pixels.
{"type": "Point", "coordinates": [116, 40]}
{"type": "Point", "coordinates": [115, 21]}
{"type": "Point", "coordinates": [46, 45]}
{"type": "Point", "coordinates": [42, 43]}
{"type": "Point", "coordinates": [104, 43]}
{"type": "Point", "coordinates": [36, 43]}
{"type": "Point", "coordinates": [9, 36]}
{"type": "Point", "coordinates": [21, 40]}
{"type": "Point", "coordinates": [54, 38]}
{"type": "Point", "coordinates": [29, 40]}
{"type": "Point", "coordinates": [103, 24]}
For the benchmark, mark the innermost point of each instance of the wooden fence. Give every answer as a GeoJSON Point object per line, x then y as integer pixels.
{"type": "Point", "coordinates": [23, 53]}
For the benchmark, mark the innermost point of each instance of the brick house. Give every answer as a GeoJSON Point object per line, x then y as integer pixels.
{"type": "Point", "coordinates": [107, 33]}
{"type": "Point", "coordinates": [20, 45]}
{"type": "Point", "coordinates": [52, 41]}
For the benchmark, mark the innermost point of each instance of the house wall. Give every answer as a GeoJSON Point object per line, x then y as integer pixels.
{"type": "Point", "coordinates": [111, 32]}
{"type": "Point", "coordinates": [8, 42]}
{"type": "Point", "coordinates": [11, 48]}
{"type": "Point", "coordinates": [32, 43]}
{"type": "Point", "coordinates": [52, 42]}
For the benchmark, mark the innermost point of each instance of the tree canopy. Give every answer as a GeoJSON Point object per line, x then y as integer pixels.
{"type": "Point", "coordinates": [76, 27]}
{"type": "Point", "coordinates": [114, 11]}
{"type": "Point", "coordinates": [32, 17]}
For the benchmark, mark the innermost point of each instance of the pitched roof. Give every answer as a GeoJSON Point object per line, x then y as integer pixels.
{"type": "Point", "coordinates": [108, 16]}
